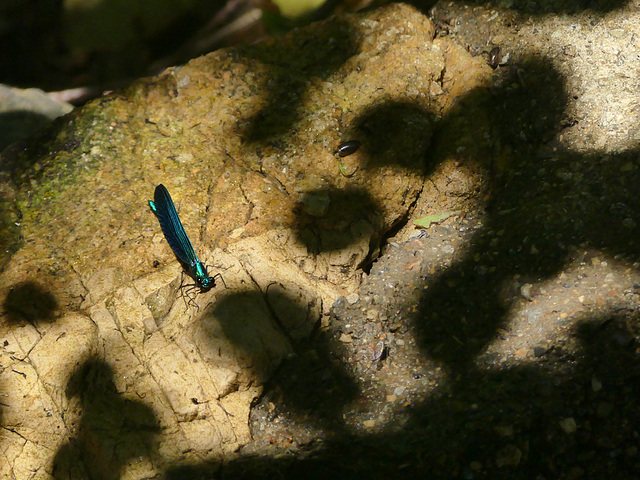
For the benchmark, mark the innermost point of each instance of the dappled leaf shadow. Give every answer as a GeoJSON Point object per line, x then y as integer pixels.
{"type": "Point", "coordinates": [266, 333]}
{"type": "Point", "coordinates": [30, 302]}
{"type": "Point", "coordinates": [325, 51]}
{"type": "Point", "coordinates": [312, 386]}
{"type": "Point", "coordinates": [521, 418]}
{"type": "Point", "coordinates": [331, 219]}
{"type": "Point", "coordinates": [539, 212]}
{"type": "Point", "coordinates": [28, 160]}
{"type": "Point", "coordinates": [36, 52]}
{"type": "Point", "coordinates": [111, 432]}
{"type": "Point", "coordinates": [497, 423]}
{"type": "Point", "coordinates": [567, 6]}
{"type": "Point", "coordinates": [297, 315]}
{"type": "Point", "coordinates": [17, 125]}
{"type": "Point", "coordinates": [518, 421]}
{"type": "Point", "coordinates": [457, 318]}
{"type": "Point", "coordinates": [203, 471]}
{"type": "Point", "coordinates": [244, 319]}
{"type": "Point", "coordinates": [538, 7]}
{"type": "Point", "coordinates": [395, 133]}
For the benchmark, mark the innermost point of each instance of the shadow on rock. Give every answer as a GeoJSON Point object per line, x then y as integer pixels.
{"type": "Point", "coordinates": [325, 51]}
{"type": "Point", "coordinates": [30, 302]}
{"type": "Point", "coordinates": [524, 421]}
{"type": "Point", "coordinates": [332, 219]}
{"type": "Point", "coordinates": [312, 386]}
{"type": "Point", "coordinates": [570, 413]}
{"type": "Point", "coordinates": [540, 7]}
{"type": "Point", "coordinates": [204, 471]}
{"type": "Point", "coordinates": [270, 336]}
{"type": "Point", "coordinates": [17, 125]}
{"type": "Point", "coordinates": [546, 202]}
{"type": "Point", "coordinates": [395, 133]}
{"type": "Point", "coordinates": [462, 310]}
{"type": "Point", "coordinates": [28, 160]}
{"type": "Point", "coordinates": [111, 433]}
{"type": "Point", "coordinates": [240, 328]}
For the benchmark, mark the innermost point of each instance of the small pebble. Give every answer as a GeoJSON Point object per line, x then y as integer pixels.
{"type": "Point", "coordinates": [495, 57]}
{"type": "Point", "coordinates": [508, 456]}
{"type": "Point", "coordinates": [379, 351]}
{"type": "Point", "coordinates": [532, 317]}
{"type": "Point", "coordinates": [345, 338]}
{"type": "Point", "coordinates": [618, 32]}
{"type": "Point", "coordinates": [372, 314]}
{"type": "Point", "coordinates": [525, 291]}
{"type": "Point", "coordinates": [339, 301]}
{"type": "Point", "coordinates": [353, 298]}
{"type": "Point", "coordinates": [369, 423]}
{"type": "Point", "coordinates": [504, 430]}
{"type": "Point", "coordinates": [448, 249]}
{"type": "Point", "coordinates": [418, 234]}
{"type": "Point", "coordinates": [568, 425]}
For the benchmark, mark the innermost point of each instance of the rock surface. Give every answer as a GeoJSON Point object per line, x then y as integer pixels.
{"type": "Point", "coordinates": [105, 367]}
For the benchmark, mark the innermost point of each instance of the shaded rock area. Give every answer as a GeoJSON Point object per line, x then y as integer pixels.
{"type": "Point", "coordinates": [24, 112]}
{"type": "Point", "coordinates": [107, 371]}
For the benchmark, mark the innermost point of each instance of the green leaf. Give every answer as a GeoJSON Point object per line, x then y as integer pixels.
{"type": "Point", "coordinates": [294, 9]}
{"type": "Point", "coordinates": [425, 222]}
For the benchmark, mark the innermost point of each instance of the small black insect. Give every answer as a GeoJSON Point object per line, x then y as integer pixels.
{"type": "Point", "coordinates": [495, 57]}
{"type": "Point", "coordinates": [347, 148]}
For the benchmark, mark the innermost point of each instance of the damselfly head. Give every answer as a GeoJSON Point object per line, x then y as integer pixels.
{"type": "Point", "coordinates": [205, 283]}
{"type": "Point", "coordinates": [202, 278]}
